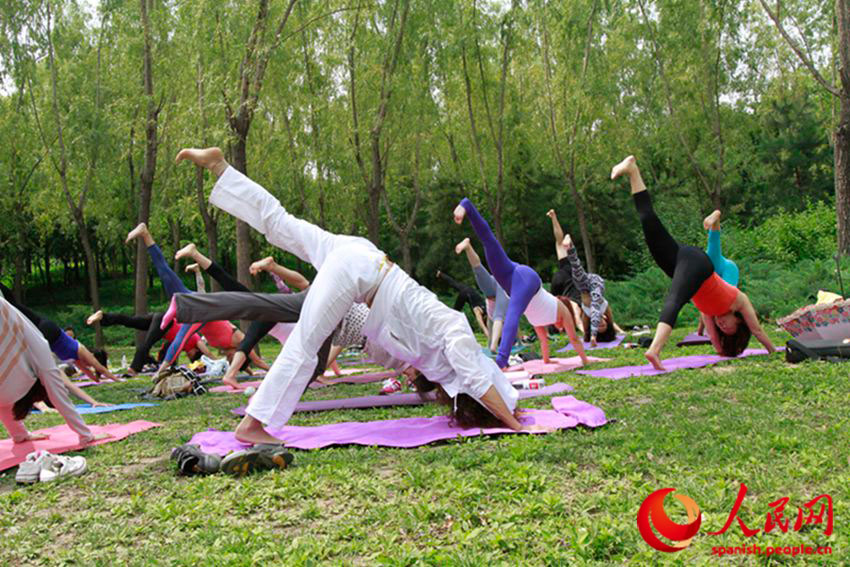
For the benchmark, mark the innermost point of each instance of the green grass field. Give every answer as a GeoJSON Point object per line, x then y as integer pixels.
{"type": "Point", "coordinates": [567, 498]}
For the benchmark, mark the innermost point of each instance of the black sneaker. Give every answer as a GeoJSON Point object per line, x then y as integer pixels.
{"type": "Point", "coordinates": [191, 460]}
{"type": "Point", "coordinates": [257, 458]}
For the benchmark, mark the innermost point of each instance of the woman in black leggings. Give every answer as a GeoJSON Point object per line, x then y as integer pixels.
{"type": "Point", "coordinates": [467, 294]}
{"type": "Point", "coordinates": [728, 315]}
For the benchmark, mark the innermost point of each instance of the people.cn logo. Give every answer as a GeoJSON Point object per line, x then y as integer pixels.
{"type": "Point", "coordinates": [651, 514]}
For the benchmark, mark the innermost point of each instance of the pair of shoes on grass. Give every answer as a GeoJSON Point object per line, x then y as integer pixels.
{"type": "Point", "coordinates": [42, 466]}
{"type": "Point", "coordinates": [192, 461]}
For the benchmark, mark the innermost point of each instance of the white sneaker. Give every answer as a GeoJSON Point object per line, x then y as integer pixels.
{"type": "Point", "coordinates": [62, 466]}
{"type": "Point", "coordinates": [29, 470]}
{"type": "Point", "coordinates": [514, 360]}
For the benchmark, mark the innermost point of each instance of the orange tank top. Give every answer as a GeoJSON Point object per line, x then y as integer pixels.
{"type": "Point", "coordinates": [715, 296]}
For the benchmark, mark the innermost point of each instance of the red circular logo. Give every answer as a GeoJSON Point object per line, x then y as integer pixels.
{"type": "Point", "coordinates": [653, 509]}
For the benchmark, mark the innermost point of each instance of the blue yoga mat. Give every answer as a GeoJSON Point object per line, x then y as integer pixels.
{"type": "Point", "coordinates": [86, 408]}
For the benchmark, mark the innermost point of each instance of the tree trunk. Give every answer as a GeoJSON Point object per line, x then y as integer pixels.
{"type": "Point", "coordinates": [842, 171]}
{"type": "Point", "coordinates": [91, 268]}
{"type": "Point", "coordinates": [146, 176]}
{"type": "Point", "coordinates": [243, 231]}
{"type": "Point", "coordinates": [174, 229]}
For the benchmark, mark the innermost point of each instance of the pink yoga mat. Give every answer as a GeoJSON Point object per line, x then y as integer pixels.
{"type": "Point", "coordinates": [410, 399]}
{"type": "Point", "coordinates": [610, 344]}
{"type": "Point", "coordinates": [356, 379]}
{"type": "Point", "coordinates": [694, 339]}
{"type": "Point", "coordinates": [403, 433]}
{"type": "Point", "coordinates": [671, 364]}
{"type": "Point", "coordinates": [555, 365]}
{"type": "Point", "coordinates": [62, 438]}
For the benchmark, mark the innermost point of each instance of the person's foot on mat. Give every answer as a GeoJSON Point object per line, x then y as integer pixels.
{"type": "Point", "coordinates": [257, 458]}
{"type": "Point", "coordinates": [191, 460]}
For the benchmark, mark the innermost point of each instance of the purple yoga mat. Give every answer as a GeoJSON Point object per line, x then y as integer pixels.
{"type": "Point", "coordinates": [671, 364]}
{"type": "Point", "coordinates": [401, 400]}
{"type": "Point", "coordinates": [404, 433]}
{"type": "Point", "coordinates": [610, 344]}
{"type": "Point", "coordinates": [694, 339]}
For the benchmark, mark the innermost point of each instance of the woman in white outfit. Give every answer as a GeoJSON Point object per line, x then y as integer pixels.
{"type": "Point", "coordinates": [405, 319]}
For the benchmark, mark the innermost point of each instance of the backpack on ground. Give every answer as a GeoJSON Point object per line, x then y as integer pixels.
{"type": "Point", "coordinates": [177, 382]}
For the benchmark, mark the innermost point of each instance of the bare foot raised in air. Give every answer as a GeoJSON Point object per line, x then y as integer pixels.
{"type": "Point", "coordinates": [141, 231]}
{"type": "Point", "coordinates": [94, 317]}
{"type": "Point", "coordinates": [193, 268]}
{"type": "Point", "coordinates": [459, 213]}
{"type": "Point", "coordinates": [462, 245]}
{"type": "Point", "coordinates": [712, 221]}
{"type": "Point", "coordinates": [626, 166]}
{"type": "Point", "coordinates": [190, 250]}
{"type": "Point", "coordinates": [551, 213]}
{"type": "Point", "coordinates": [654, 360]}
{"type": "Point", "coordinates": [261, 265]}
{"type": "Point", "coordinates": [209, 158]}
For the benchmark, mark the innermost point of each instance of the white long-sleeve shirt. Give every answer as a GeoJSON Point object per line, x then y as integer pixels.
{"type": "Point", "coordinates": [24, 358]}
{"type": "Point", "coordinates": [411, 324]}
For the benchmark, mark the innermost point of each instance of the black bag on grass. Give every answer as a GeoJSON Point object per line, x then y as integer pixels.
{"type": "Point", "coordinates": [832, 350]}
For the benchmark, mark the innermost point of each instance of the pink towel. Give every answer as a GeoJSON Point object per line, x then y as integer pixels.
{"type": "Point", "coordinates": [555, 365]}
{"type": "Point", "coordinates": [62, 438]}
{"type": "Point", "coordinates": [404, 433]}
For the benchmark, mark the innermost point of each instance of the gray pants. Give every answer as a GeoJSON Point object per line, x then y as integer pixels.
{"type": "Point", "coordinates": [268, 307]}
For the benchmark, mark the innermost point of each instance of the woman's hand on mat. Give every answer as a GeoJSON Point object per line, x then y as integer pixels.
{"type": "Point", "coordinates": [593, 341]}
{"type": "Point", "coordinates": [537, 428]}
{"type": "Point", "coordinates": [459, 213]}
{"type": "Point", "coordinates": [101, 404]}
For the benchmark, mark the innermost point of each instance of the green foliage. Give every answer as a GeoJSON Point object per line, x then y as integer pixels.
{"type": "Point", "coordinates": [786, 238]}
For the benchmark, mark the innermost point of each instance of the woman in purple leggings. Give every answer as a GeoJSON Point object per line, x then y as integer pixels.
{"type": "Point", "coordinates": [525, 289]}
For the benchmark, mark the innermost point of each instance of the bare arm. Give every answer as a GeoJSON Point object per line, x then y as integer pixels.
{"type": "Point", "coordinates": [80, 393]}
{"type": "Point", "coordinates": [752, 321]}
{"type": "Point", "coordinates": [543, 336]}
{"type": "Point", "coordinates": [566, 317]}
{"type": "Point", "coordinates": [86, 358]}
{"type": "Point", "coordinates": [200, 285]}
{"type": "Point", "coordinates": [707, 322]}
{"type": "Point", "coordinates": [481, 323]}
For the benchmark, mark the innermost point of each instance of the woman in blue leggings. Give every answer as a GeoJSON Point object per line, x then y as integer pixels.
{"type": "Point", "coordinates": [525, 289]}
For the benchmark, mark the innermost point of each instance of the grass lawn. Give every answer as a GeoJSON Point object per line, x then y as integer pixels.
{"type": "Point", "coordinates": [567, 498]}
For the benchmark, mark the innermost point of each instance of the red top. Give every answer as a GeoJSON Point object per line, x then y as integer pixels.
{"type": "Point", "coordinates": [190, 343]}
{"type": "Point", "coordinates": [715, 296]}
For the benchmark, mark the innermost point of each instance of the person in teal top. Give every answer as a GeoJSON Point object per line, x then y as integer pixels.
{"type": "Point", "coordinates": [725, 268]}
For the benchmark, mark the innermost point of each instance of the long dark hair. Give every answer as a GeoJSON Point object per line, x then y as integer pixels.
{"type": "Point", "coordinates": [23, 406]}
{"type": "Point", "coordinates": [605, 336]}
{"type": "Point", "coordinates": [734, 344]}
{"type": "Point", "coordinates": [464, 410]}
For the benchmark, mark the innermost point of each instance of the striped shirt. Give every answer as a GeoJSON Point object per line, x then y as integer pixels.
{"type": "Point", "coordinates": [24, 358]}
